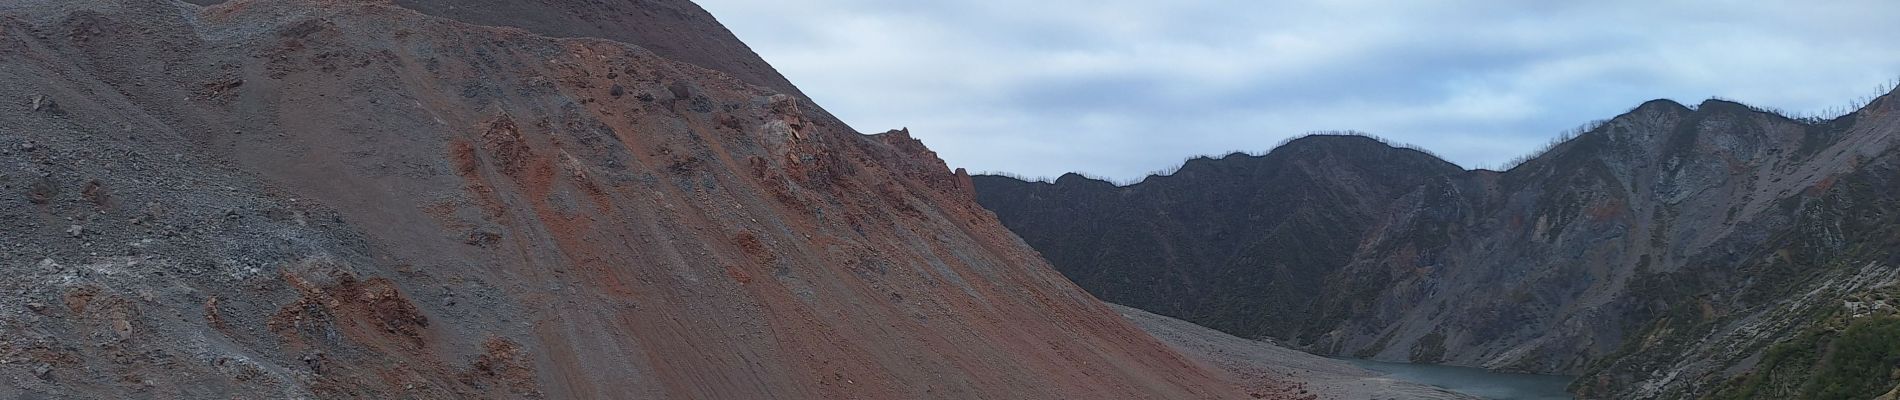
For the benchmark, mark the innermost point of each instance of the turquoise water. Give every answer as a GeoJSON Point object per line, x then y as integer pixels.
{"type": "Point", "coordinates": [1476, 382]}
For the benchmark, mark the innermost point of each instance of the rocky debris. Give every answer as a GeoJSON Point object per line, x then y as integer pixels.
{"type": "Point", "coordinates": [299, 259]}
{"type": "Point", "coordinates": [95, 193]}
{"type": "Point", "coordinates": [673, 29]}
{"type": "Point", "coordinates": [42, 190]}
{"type": "Point", "coordinates": [46, 105]}
{"type": "Point", "coordinates": [221, 88]}
{"type": "Point", "coordinates": [482, 238]}
{"type": "Point", "coordinates": [502, 364]}
{"type": "Point", "coordinates": [313, 360]}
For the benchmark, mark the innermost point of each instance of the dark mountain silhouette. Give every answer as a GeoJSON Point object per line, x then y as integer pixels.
{"type": "Point", "coordinates": [1671, 251]}
{"type": "Point", "coordinates": [1241, 243]}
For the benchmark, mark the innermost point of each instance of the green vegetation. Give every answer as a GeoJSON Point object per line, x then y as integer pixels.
{"type": "Point", "coordinates": [1845, 358]}
{"type": "Point", "coordinates": [1430, 349]}
{"type": "Point", "coordinates": [1861, 363]}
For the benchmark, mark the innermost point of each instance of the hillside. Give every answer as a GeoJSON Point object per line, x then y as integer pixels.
{"type": "Point", "coordinates": [1243, 244]}
{"type": "Point", "coordinates": [675, 29]}
{"type": "Point", "coordinates": [352, 199]}
{"type": "Point", "coordinates": [1664, 253]}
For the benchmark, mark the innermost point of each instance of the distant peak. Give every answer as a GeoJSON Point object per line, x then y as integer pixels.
{"type": "Point", "coordinates": [1073, 177]}
{"type": "Point", "coordinates": [1335, 139]}
{"type": "Point", "coordinates": [1716, 104]}
{"type": "Point", "coordinates": [1661, 105]}
{"type": "Point", "coordinates": [1885, 101]}
{"type": "Point", "coordinates": [1655, 108]}
{"type": "Point", "coordinates": [1321, 143]}
{"type": "Point", "coordinates": [1363, 145]}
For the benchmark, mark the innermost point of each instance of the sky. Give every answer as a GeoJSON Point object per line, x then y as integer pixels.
{"type": "Point", "coordinates": [1120, 88]}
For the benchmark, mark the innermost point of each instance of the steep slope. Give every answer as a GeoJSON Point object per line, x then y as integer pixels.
{"type": "Point", "coordinates": [675, 29]}
{"type": "Point", "coordinates": [1663, 212]}
{"type": "Point", "coordinates": [1241, 244]}
{"type": "Point", "coordinates": [346, 199]}
{"type": "Point", "coordinates": [1672, 252]}
{"type": "Point", "coordinates": [1799, 309]}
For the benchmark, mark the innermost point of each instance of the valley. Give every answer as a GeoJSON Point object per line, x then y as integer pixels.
{"type": "Point", "coordinates": [587, 199]}
{"type": "Point", "coordinates": [1662, 253]}
{"type": "Point", "coordinates": [1474, 381]}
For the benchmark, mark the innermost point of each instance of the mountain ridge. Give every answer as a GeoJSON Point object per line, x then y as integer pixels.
{"type": "Point", "coordinates": [1114, 212]}
{"type": "Point", "coordinates": [1579, 236]}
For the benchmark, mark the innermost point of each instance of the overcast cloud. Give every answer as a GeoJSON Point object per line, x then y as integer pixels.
{"type": "Point", "coordinates": [1121, 87]}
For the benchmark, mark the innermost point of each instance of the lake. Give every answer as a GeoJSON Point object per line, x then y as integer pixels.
{"type": "Point", "coordinates": [1475, 381]}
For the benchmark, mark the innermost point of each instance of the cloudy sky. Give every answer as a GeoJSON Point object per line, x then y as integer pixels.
{"type": "Point", "coordinates": [1118, 88]}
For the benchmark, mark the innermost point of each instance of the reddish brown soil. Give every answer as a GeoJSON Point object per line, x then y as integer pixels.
{"type": "Point", "coordinates": [505, 215]}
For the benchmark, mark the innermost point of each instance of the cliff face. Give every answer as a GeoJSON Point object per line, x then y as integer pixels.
{"type": "Point", "coordinates": [344, 199]}
{"type": "Point", "coordinates": [1661, 254]}
{"type": "Point", "coordinates": [1754, 301]}
{"type": "Point", "coordinates": [1670, 216]}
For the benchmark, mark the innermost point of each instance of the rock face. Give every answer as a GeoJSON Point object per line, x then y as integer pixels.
{"type": "Point", "coordinates": [351, 199]}
{"type": "Point", "coordinates": [1661, 254]}
{"type": "Point", "coordinates": [1667, 233]}
{"type": "Point", "coordinates": [1243, 244]}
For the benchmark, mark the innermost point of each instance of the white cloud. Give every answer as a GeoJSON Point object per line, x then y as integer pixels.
{"type": "Point", "coordinates": [1122, 87]}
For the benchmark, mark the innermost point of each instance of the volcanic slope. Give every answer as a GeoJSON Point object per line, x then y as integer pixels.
{"type": "Point", "coordinates": [350, 199]}
{"type": "Point", "coordinates": [674, 29]}
{"type": "Point", "coordinates": [1673, 251]}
